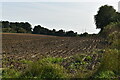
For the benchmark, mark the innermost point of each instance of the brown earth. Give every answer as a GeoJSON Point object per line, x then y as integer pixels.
{"type": "Point", "coordinates": [16, 46]}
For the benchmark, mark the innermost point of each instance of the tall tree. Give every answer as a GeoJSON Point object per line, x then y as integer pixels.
{"type": "Point", "coordinates": [105, 15]}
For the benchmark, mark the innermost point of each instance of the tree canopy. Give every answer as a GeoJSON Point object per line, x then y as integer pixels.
{"type": "Point", "coordinates": [41, 30]}
{"type": "Point", "coordinates": [105, 16]}
{"type": "Point", "coordinates": [17, 27]}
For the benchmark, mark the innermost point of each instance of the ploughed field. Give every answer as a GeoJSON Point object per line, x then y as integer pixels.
{"type": "Point", "coordinates": [17, 47]}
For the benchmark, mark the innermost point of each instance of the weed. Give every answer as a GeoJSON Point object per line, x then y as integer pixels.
{"type": "Point", "coordinates": [10, 73]}
{"type": "Point", "coordinates": [53, 59]}
{"type": "Point", "coordinates": [44, 69]}
{"type": "Point", "coordinates": [106, 74]}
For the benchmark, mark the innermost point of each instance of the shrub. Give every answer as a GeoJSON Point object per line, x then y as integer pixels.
{"type": "Point", "coordinates": [112, 28]}
{"type": "Point", "coordinates": [10, 73]}
{"type": "Point", "coordinates": [110, 62]}
{"type": "Point", "coordinates": [21, 30]}
{"type": "Point", "coordinates": [114, 39]}
{"type": "Point", "coordinates": [43, 69]}
{"type": "Point", "coordinates": [8, 30]}
{"type": "Point", "coordinates": [106, 74]}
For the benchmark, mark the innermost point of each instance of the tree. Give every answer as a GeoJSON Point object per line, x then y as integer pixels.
{"type": "Point", "coordinates": [27, 27]}
{"type": "Point", "coordinates": [105, 16]}
{"type": "Point", "coordinates": [71, 33]}
{"type": "Point", "coordinates": [117, 17]}
{"type": "Point", "coordinates": [36, 29]}
{"type": "Point", "coordinates": [5, 24]}
{"type": "Point", "coordinates": [22, 27]}
{"type": "Point", "coordinates": [60, 33]}
{"type": "Point", "coordinates": [84, 34]}
{"type": "Point", "coordinates": [53, 32]}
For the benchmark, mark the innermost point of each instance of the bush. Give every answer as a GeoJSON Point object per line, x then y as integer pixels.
{"type": "Point", "coordinates": [114, 39]}
{"type": "Point", "coordinates": [21, 30]}
{"type": "Point", "coordinates": [43, 69]}
{"type": "Point", "coordinates": [110, 62]}
{"type": "Point", "coordinates": [10, 73]}
{"type": "Point", "coordinates": [14, 30]}
{"type": "Point", "coordinates": [106, 74]}
{"type": "Point", "coordinates": [8, 30]}
{"type": "Point", "coordinates": [112, 28]}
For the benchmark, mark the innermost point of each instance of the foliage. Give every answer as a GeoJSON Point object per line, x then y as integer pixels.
{"type": "Point", "coordinates": [112, 33]}
{"type": "Point", "coordinates": [25, 61]}
{"type": "Point", "coordinates": [43, 69]}
{"type": "Point", "coordinates": [71, 33]}
{"type": "Point", "coordinates": [60, 33]}
{"type": "Point", "coordinates": [105, 16]}
{"type": "Point", "coordinates": [109, 62]}
{"type": "Point", "coordinates": [10, 73]}
{"type": "Point", "coordinates": [5, 24]}
{"type": "Point", "coordinates": [53, 59]}
{"type": "Point", "coordinates": [15, 30]}
{"type": "Point", "coordinates": [84, 34]}
{"type": "Point", "coordinates": [88, 58]}
{"type": "Point", "coordinates": [41, 30]}
{"type": "Point", "coordinates": [7, 30]}
{"type": "Point", "coordinates": [16, 27]}
{"type": "Point", "coordinates": [114, 39]}
{"type": "Point", "coordinates": [106, 74]}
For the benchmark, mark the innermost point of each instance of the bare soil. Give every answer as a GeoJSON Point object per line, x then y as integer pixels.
{"type": "Point", "coordinates": [16, 46]}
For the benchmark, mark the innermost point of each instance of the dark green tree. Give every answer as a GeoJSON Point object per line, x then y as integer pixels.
{"type": "Point", "coordinates": [105, 16]}
{"type": "Point", "coordinates": [53, 32]}
{"type": "Point", "coordinates": [27, 27]}
{"type": "Point", "coordinates": [36, 29]}
{"type": "Point", "coordinates": [117, 17]}
{"type": "Point", "coordinates": [5, 24]}
{"type": "Point", "coordinates": [21, 27]}
{"type": "Point", "coordinates": [84, 34]}
{"type": "Point", "coordinates": [60, 33]}
{"type": "Point", "coordinates": [71, 33]}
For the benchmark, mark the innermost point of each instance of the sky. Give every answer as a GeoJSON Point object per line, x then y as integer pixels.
{"type": "Point", "coordinates": [55, 14]}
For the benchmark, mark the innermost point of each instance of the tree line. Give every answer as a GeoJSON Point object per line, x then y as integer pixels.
{"type": "Point", "coordinates": [41, 30]}
{"type": "Point", "coordinates": [25, 27]}
{"type": "Point", "coordinates": [16, 27]}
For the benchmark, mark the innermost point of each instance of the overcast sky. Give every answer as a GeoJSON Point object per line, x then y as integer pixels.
{"type": "Point", "coordinates": [76, 16]}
